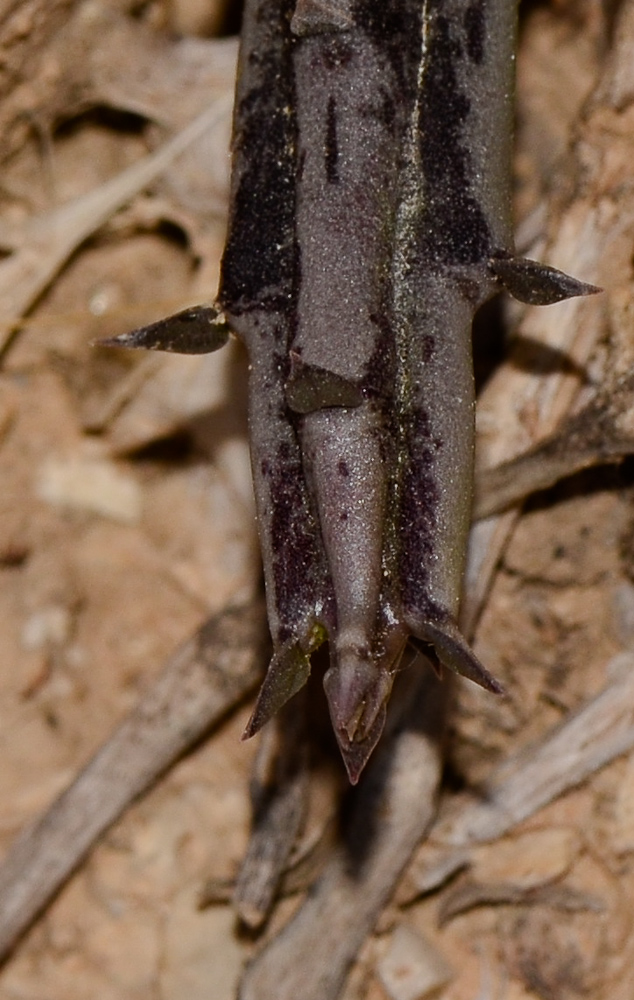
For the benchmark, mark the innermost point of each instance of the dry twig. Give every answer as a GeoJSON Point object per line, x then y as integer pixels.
{"type": "Point", "coordinates": [313, 954]}
{"type": "Point", "coordinates": [203, 681]}
{"type": "Point", "coordinates": [45, 243]}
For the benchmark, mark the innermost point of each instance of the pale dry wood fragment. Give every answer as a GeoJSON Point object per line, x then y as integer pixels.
{"type": "Point", "coordinates": [469, 894]}
{"type": "Point", "coordinates": [45, 243]}
{"type": "Point", "coordinates": [279, 788]}
{"type": "Point", "coordinates": [200, 683]}
{"type": "Point", "coordinates": [528, 406]}
{"type": "Point", "coordinates": [603, 431]}
{"type": "Point", "coordinates": [304, 866]}
{"type": "Point", "coordinates": [389, 813]}
{"type": "Point", "coordinates": [593, 736]}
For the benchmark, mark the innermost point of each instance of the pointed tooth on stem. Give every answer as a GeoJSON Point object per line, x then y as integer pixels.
{"type": "Point", "coordinates": [357, 689]}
